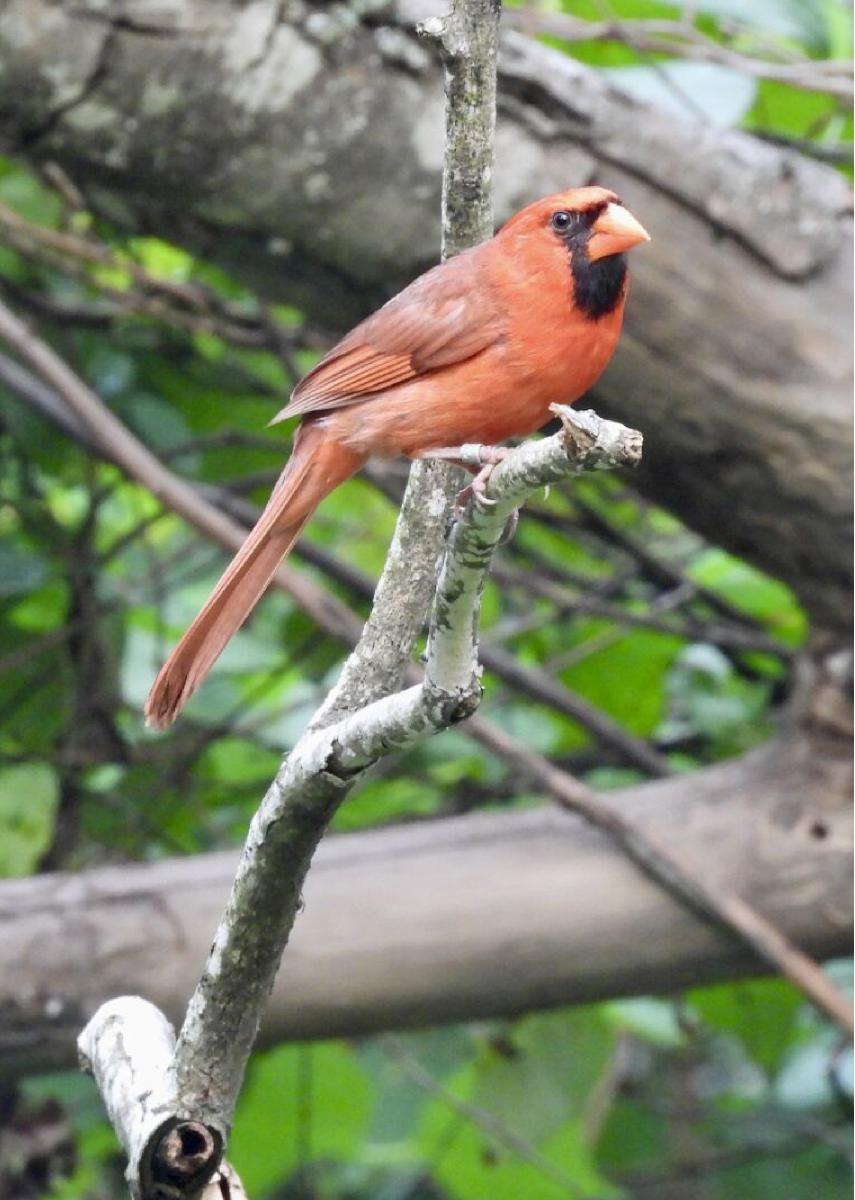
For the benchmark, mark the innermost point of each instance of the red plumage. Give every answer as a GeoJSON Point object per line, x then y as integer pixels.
{"type": "Point", "coordinates": [475, 350]}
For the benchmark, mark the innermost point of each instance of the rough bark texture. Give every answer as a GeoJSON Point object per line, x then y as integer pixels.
{"type": "Point", "coordinates": [227, 1004]}
{"type": "Point", "coordinates": [492, 914]}
{"type": "Point", "coordinates": [128, 1046]}
{"type": "Point", "coordinates": [301, 144]}
{"type": "Point", "coordinates": [467, 38]}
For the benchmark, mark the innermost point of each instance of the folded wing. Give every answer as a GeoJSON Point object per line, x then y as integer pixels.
{"type": "Point", "coordinates": [446, 316]}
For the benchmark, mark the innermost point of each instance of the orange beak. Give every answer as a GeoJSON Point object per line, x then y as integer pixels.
{"type": "Point", "coordinates": [614, 231]}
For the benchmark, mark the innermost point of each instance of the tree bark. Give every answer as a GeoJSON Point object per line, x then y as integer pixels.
{"type": "Point", "coordinates": [301, 145]}
{"type": "Point", "coordinates": [480, 916]}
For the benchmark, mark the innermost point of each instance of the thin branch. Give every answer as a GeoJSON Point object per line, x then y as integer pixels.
{"type": "Point", "coordinates": [467, 39]}
{"type": "Point", "coordinates": [496, 1130]}
{"type": "Point", "coordinates": [681, 39]}
{"type": "Point", "coordinates": [726, 910]}
{"type": "Point", "coordinates": [325, 764]}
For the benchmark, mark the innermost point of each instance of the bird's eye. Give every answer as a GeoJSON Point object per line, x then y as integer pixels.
{"type": "Point", "coordinates": [561, 221]}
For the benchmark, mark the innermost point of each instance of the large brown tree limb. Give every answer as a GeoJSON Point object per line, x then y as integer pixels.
{"type": "Point", "coordinates": [478, 916]}
{"type": "Point", "coordinates": [220, 125]}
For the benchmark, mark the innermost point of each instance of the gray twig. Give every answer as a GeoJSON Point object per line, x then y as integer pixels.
{"type": "Point", "coordinates": [682, 39]}
{"type": "Point", "coordinates": [128, 1046]}
{"type": "Point", "coordinates": [467, 39]}
{"type": "Point", "coordinates": [223, 1015]}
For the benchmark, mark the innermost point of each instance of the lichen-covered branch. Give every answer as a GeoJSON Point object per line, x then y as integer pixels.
{"type": "Point", "coordinates": [128, 1046]}
{"type": "Point", "coordinates": [223, 1015]}
{"type": "Point", "coordinates": [467, 38]}
{"type": "Point", "coordinates": [184, 1111]}
{"type": "Point", "coordinates": [452, 648]}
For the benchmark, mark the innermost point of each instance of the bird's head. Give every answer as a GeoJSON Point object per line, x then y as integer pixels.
{"type": "Point", "coordinates": [592, 219]}
{"type": "Point", "coordinates": [589, 229]}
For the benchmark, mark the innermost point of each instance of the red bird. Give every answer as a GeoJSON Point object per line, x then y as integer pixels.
{"type": "Point", "coordinates": [475, 350]}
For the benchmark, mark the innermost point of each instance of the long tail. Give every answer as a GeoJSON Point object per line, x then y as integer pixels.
{"type": "Point", "coordinates": [317, 466]}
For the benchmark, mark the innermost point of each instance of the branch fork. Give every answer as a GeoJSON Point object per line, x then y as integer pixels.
{"type": "Point", "coordinates": [201, 1079]}
{"type": "Point", "coordinates": [129, 1048]}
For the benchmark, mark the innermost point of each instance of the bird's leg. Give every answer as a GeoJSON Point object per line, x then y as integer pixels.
{"type": "Point", "coordinates": [471, 456]}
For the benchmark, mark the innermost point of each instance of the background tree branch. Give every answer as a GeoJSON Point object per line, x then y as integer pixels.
{"type": "Point", "coordinates": [491, 895]}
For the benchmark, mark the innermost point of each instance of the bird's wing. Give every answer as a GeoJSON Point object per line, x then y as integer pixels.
{"type": "Point", "coordinates": [445, 316]}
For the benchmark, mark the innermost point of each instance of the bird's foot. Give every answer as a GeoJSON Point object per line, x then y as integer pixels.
{"type": "Point", "coordinates": [477, 488]}
{"type": "Point", "coordinates": [471, 455]}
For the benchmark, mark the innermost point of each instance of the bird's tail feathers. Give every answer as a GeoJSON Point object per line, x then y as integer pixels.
{"type": "Point", "coordinates": [317, 465]}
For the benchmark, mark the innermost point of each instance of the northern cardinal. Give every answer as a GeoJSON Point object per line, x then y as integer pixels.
{"type": "Point", "coordinates": [474, 350]}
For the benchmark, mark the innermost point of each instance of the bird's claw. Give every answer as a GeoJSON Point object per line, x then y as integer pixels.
{"type": "Point", "coordinates": [476, 490]}
{"type": "Point", "coordinates": [471, 455]}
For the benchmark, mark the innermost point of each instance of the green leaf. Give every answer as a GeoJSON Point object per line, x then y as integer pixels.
{"type": "Point", "coordinates": [315, 1097]}
{"type": "Point", "coordinates": [708, 698]}
{"type": "Point", "coordinates": [653, 1020]}
{"type": "Point", "coordinates": [633, 1137]}
{"type": "Point", "coordinates": [753, 592]}
{"type": "Point", "coordinates": [478, 1164]}
{"type": "Point", "coordinates": [383, 801]}
{"type": "Point", "coordinates": [837, 18]}
{"type": "Point", "coordinates": [627, 678]}
{"type": "Point", "coordinates": [536, 1083]}
{"type": "Point", "coordinates": [161, 259]}
{"type": "Point", "coordinates": [29, 794]}
{"type": "Point", "coordinates": [400, 1102]}
{"type": "Point", "coordinates": [231, 760]}
{"type": "Point", "coordinates": [24, 192]}
{"type": "Point", "coordinates": [787, 110]}
{"type": "Point", "coordinates": [762, 1013]}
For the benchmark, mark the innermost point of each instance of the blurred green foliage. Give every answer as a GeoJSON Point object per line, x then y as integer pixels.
{"type": "Point", "coordinates": [738, 1086]}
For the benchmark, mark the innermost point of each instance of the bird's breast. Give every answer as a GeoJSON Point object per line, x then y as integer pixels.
{"type": "Point", "coordinates": [548, 353]}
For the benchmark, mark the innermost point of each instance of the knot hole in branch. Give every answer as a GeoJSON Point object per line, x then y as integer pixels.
{"type": "Point", "coordinates": [186, 1156]}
